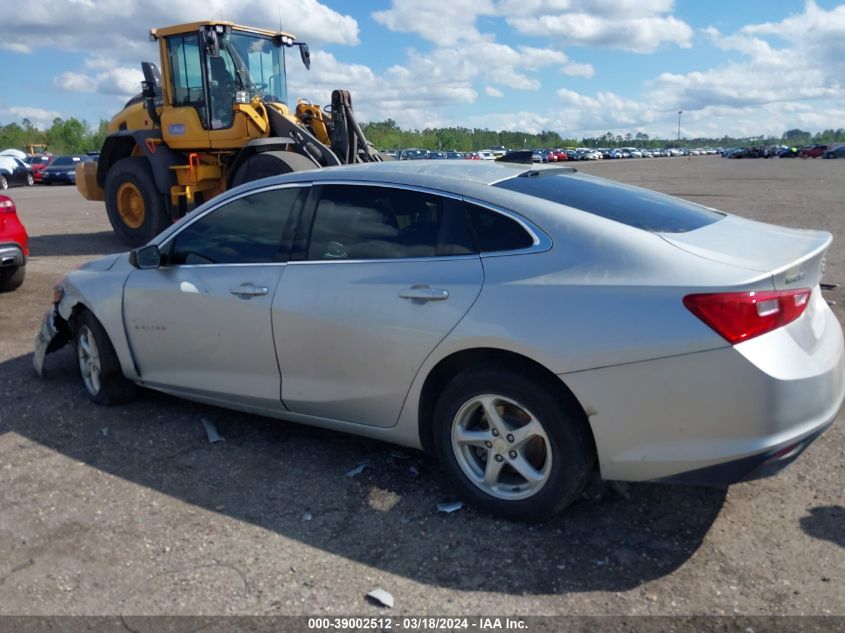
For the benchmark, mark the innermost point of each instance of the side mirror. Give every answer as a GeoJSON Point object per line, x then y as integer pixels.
{"type": "Point", "coordinates": [305, 54]}
{"type": "Point", "coordinates": [212, 43]}
{"type": "Point", "coordinates": [145, 257]}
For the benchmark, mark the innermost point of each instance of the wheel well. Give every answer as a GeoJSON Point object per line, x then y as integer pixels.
{"type": "Point", "coordinates": [461, 361]}
{"type": "Point", "coordinates": [114, 149]}
{"type": "Point", "coordinates": [75, 312]}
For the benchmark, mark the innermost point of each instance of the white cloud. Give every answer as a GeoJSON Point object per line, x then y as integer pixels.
{"type": "Point", "coordinates": [521, 121]}
{"type": "Point", "coordinates": [635, 25]}
{"type": "Point", "coordinates": [640, 35]}
{"type": "Point", "coordinates": [578, 70]}
{"type": "Point", "coordinates": [120, 26]}
{"type": "Point", "coordinates": [408, 94]}
{"type": "Point", "coordinates": [607, 110]}
{"type": "Point", "coordinates": [15, 47]}
{"type": "Point", "coordinates": [805, 60]}
{"type": "Point", "coordinates": [536, 58]}
{"type": "Point", "coordinates": [615, 9]}
{"type": "Point", "coordinates": [76, 82]}
{"type": "Point", "coordinates": [39, 117]}
{"type": "Point", "coordinates": [119, 81]}
{"type": "Point", "coordinates": [443, 22]}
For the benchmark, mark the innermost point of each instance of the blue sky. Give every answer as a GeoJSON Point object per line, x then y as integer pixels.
{"type": "Point", "coordinates": [578, 67]}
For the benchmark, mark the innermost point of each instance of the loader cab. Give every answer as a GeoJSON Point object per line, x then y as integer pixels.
{"type": "Point", "coordinates": [209, 70]}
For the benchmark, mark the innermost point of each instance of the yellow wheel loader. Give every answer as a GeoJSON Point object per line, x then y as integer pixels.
{"type": "Point", "coordinates": [214, 117]}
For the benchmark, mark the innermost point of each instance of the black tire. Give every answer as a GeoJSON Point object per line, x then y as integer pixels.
{"type": "Point", "coordinates": [566, 429]}
{"type": "Point", "coordinates": [268, 164]}
{"type": "Point", "coordinates": [11, 278]}
{"type": "Point", "coordinates": [135, 171]}
{"type": "Point", "coordinates": [4, 183]}
{"type": "Point", "coordinates": [111, 387]}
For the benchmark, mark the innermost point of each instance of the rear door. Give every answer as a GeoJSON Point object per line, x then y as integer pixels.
{"type": "Point", "coordinates": [386, 275]}
{"type": "Point", "coordinates": [200, 324]}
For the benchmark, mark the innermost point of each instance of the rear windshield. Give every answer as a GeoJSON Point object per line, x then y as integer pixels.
{"type": "Point", "coordinates": [640, 208]}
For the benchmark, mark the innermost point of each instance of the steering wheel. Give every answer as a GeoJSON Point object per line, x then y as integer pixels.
{"type": "Point", "coordinates": [335, 250]}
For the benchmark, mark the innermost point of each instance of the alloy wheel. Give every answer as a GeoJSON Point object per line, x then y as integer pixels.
{"type": "Point", "coordinates": [501, 447]}
{"type": "Point", "coordinates": [89, 360]}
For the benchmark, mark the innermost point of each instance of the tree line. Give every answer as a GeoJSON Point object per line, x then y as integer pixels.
{"type": "Point", "coordinates": [64, 136]}
{"type": "Point", "coordinates": [72, 136]}
{"type": "Point", "coordinates": [387, 135]}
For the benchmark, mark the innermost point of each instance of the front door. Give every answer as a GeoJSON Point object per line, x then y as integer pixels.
{"type": "Point", "coordinates": [201, 323]}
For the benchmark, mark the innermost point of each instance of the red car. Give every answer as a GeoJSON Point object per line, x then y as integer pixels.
{"type": "Point", "coordinates": [14, 246]}
{"type": "Point", "coordinates": [813, 151]}
{"type": "Point", "coordinates": [39, 162]}
{"type": "Point", "coordinates": [557, 155]}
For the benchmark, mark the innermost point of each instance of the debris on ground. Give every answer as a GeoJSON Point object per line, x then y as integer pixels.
{"type": "Point", "coordinates": [104, 431]}
{"type": "Point", "coordinates": [211, 431]}
{"type": "Point", "coordinates": [306, 516]}
{"type": "Point", "coordinates": [357, 470]}
{"type": "Point", "coordinates": [450, 506]}
{"type": "Point", "coordinates": [381, 597]}
{"type": "Point", "coordinates": [414, 470]}
{"type": "Point", "coordinates": [382, 500]}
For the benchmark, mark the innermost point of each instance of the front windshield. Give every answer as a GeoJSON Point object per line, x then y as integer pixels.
{"type": "Point", "coordinates": [259, 65]}
{"type": "Point", "coordinates": [65, 160]}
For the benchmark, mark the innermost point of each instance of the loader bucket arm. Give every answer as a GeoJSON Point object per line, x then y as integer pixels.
{"type": "Point", "coordinates": [348, 140]}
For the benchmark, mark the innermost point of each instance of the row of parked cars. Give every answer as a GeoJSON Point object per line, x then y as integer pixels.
{"type": "Point", "coordinates": [48, 169]}
{"type": "Point", "coordinates": [583, 153]}
{"type": "Point", "coordinates": [424, 154]}
{"type": "Point", "coordinates": [552, 155]}
{"type": "Point", "coordinates": [782, 151]}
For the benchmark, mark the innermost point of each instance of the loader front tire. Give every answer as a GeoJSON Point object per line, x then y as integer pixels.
{"type": "Point", "coordinates": [268, 164]}
{"type": "Point", "coordinates": [135, 207]}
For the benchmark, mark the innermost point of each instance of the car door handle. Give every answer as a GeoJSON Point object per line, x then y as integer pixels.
{"type": "Point", "coordinates": [245, 291]}
{"type": "Point", "coordinates": [424, 293]}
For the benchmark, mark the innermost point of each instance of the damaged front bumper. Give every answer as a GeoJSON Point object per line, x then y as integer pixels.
{"type": "Point", "coordinates": [53, 335]}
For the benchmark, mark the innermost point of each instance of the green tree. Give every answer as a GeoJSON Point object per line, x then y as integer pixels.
{"type": "Point", "coordinates": [796, 137]}
{"type": "Point", "coordinates": [68, 136]}
{"type": "Point", "coordinates": [94, 140]}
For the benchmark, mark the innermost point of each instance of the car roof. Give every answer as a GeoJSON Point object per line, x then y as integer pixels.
{"type": "Point", "coordinates": [414, 173]}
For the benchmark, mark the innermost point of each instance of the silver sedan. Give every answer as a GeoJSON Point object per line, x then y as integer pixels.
{"type": "Point", "coordinates": [529, 325]}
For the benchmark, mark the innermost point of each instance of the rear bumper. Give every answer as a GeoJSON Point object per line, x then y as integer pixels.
{"type": "Point", "coordinates": [49, 179]}
{"type": "Point", "coordinates": [11, 256]}
{"type": "Point", "coordinates": [720, 416]}
{"type": "Point", "coordinates": [758, 466]}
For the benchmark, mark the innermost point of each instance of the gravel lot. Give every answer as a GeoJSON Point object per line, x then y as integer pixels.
{"type": "Point", "coordinates": [130, 510]}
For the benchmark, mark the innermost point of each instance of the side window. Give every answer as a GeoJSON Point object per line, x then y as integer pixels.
{"type": "Point", "coordinates": [186, 72]}
{"type": "Point", "coordinates": [249, 230]}
{"type": "Point", "coordinates": [221, 89]}
{"type": "Point", "coordinates": [497, 232]}
{"type": "Point", "coordinates": [364, 222]}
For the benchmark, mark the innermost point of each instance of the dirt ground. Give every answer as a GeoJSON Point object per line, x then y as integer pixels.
{"type": "Point", "coordinates": [130, 510]}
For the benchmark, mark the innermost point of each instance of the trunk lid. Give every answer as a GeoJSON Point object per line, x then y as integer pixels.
{"type": "Point", "coordinates": [793, 257]}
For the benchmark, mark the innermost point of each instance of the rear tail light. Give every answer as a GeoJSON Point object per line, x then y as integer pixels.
{"type": "Point", "coordinates": [6, 205]}
{"type": "Point", "coordinates": [739, 316]}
